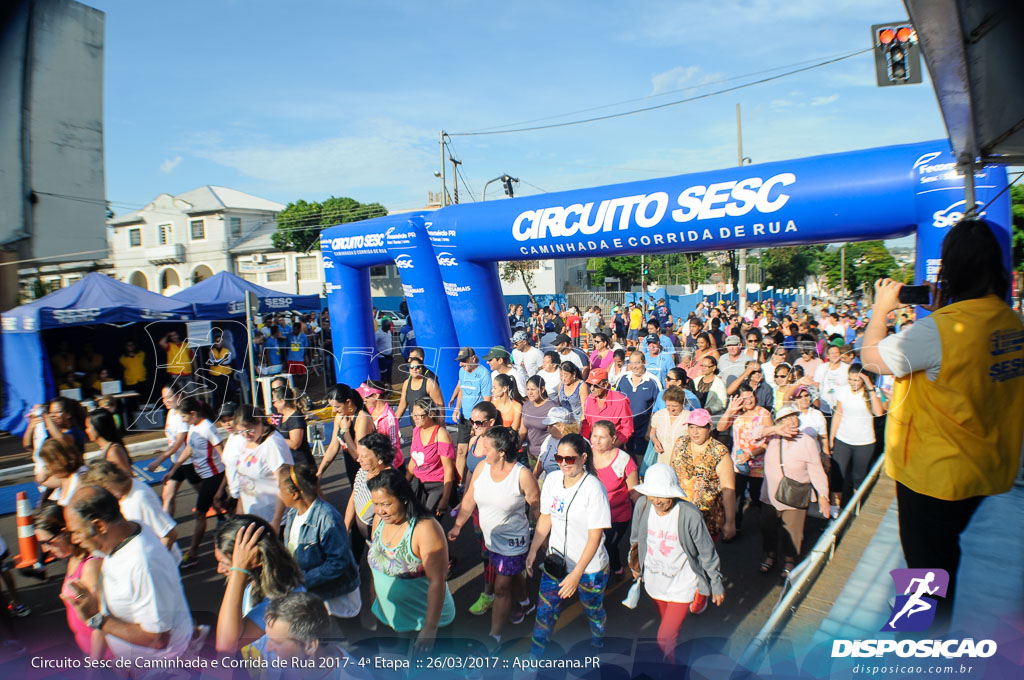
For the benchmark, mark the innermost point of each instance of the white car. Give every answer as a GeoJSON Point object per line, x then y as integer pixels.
{"type": "Point", "coordinates": [397, 320]}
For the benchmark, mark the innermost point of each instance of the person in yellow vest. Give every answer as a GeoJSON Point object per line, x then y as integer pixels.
{"type": "Point", "coordinates": [220, 370]}
{"type": "Point", "coordinates": [952, 437]}
{"type": "Point", "coordinates": [179, 357]}
{"type": "Point", "coordinates": [63, 362]}
{"type": "Point", "coordinates": [89, 363]}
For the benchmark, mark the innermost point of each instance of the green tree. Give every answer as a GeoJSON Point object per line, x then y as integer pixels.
{"type": "Point", "coordinates": [866, 261]}
{"type": "Point", "coordinates": [789, 267]}
{"type": "Point", "coordinates": [300, 223]}
{"type": "Point", "coordinates": [1017, 208]}
{"type": "Point", "coordinates": [663, 269]}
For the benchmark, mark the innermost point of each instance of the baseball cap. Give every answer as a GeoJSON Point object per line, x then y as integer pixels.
{"type": "Point", "coordinates": [548, 326]}
{"type": "Point", "coordinates": [596, 376]}
{"type": "Point", "coordinates": [559, 415]}
{"type": "Point", "coordinates": [786, 411]}
{"type": "Point", "coordinates": [801, 390]}
{"type": "Point", "coordinates": [733, 340]}
{"type": "Point", "coordinates": [519, 336]}
{"type": "Point", "coordinates": [465, 353]}
{"type": "Point", "coordinates": [653, 340]}
{"type": "Point", "coordinates": [365, 390]}
{"type": "Point", "coordinates": [699, 417]}
{"type": "Point", "coordinates": [497, 352]}
{"type": "Point", "coordinates": [562, 337]}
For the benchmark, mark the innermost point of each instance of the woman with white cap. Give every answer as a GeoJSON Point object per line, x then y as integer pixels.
{"type": "Point", "coordinates": [671, 549]}
{"type": "Point", "coordinates": [559, 422]}
{"type": "Point", "coordinates": [703, 466]}
{"type": "Point", "coordinates": [793, 455]}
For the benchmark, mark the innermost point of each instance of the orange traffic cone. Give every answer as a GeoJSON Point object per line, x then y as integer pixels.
{"type": "Point", "coordinates": [27, 543]}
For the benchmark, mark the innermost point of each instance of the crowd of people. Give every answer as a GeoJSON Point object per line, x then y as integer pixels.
{"type": "Point", "coordinates": [626, 450]}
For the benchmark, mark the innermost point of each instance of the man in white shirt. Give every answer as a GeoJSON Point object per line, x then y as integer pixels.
{"type": "Point", "coordinates": [500, 362]}
{"type": "Point", "coordinates": [524, 355]}
{"type": "Point", "coordinates": [142, 611]}
{"type": "Point", "coordinates": [732, 364]}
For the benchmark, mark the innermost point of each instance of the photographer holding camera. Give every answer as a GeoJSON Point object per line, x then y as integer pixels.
{"type": "Point", "coordinates": [951, 438]}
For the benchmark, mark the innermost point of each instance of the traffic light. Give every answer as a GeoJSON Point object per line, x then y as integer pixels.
{"type": "Point", "coordinates": [507, 182]}
{"type": "Point", "coordinates": [897, 54]}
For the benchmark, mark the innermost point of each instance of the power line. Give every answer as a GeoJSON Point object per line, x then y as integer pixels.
{"type": "Point", "coordinates": [667, 92]}
{"type": "Point", "coordinates": [666, 104]}
{"type": "Point", "coordinates": [51, 257]}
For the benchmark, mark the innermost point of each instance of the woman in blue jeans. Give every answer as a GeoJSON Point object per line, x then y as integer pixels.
{"type": "Point", "coordinates": [574, 514]}
{"type": "Point", "coordinates": [314, 533]}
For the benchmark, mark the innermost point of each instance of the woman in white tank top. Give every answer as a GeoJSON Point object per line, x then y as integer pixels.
{"type": "Point", "coordinates": [502, 492]}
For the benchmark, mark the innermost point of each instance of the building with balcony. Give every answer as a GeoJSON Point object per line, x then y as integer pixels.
{"type": "Point", "coordinates": [176, 241]}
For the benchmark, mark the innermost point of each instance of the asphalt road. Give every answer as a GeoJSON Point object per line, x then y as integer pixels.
{"type": "Point", "coordinates": [630, 633]}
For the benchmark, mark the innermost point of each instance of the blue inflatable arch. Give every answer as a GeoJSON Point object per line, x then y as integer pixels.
{"type": "Point", "coordinates": [447, 258]}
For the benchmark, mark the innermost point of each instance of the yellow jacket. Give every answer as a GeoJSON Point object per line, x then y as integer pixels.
{"type": "Point", "coordinates": [960, 435]}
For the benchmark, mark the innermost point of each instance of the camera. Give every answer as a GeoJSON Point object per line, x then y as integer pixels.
{"type": "Point", "coordinates": [554, 565]}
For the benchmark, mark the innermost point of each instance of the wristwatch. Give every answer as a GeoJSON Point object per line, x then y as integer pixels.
{"type": "Point", "coordinates": [96, 621]}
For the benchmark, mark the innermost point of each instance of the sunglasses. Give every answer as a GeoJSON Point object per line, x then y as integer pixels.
{"type": "Point", "coordinates": [782, 375]}
{"type": "Point", "coordinates": [480, 423]}
{"type": "Point", "coordinates": [568, 460]}
{"type": "Point", "coordinates": [51, 539]}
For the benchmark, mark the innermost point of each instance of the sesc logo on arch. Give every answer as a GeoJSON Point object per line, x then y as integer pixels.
{"type": "Point", "coordinates": [404, 262]}
{"type": "Point", "coordinates": [445, 259]}
{"type": "Point", "coordinates": [953, 214]}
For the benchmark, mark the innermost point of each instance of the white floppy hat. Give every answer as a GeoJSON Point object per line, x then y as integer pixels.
{"type": "Point", "coordinates": [661, 481]}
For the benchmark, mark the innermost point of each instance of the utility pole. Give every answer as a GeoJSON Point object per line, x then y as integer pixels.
{"type": "Point", "coordinates": [741, 253]}
{"type": "Point", "coordinates": [444, 185]}
{"type": "Point", "coordinates": [455, 178]}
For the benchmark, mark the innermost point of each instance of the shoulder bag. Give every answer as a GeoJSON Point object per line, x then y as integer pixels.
{"type": "Point", "coordinates": [791, 492]}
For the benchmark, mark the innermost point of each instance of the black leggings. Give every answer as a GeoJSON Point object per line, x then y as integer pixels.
{"type": "Point", "coordinates": [852, 462]}
{"type": "Point", "coordinates": [744, 482]}
{"type": "Point", "coordinates": [612, 538]}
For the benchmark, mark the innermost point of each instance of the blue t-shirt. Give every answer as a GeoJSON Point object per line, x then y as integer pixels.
{"type": "Point", "coordinates": [297, 345]}
{"type": "Point", "coordinates": [475, 386]}
{"type": "Point", "coordinates": [641, 402]}
{"type": "Point", "coordinates": [692, 402]}
{"type": "Point", "coordinates": [273, 351]}
{"type": "Point", "coordinates": [660, 365]}
{"type": "Point", "coordinates": [666, 345]}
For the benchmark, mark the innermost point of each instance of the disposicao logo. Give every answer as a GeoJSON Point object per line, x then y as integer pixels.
{"type": "Point", "coordinates": [914, 610]}
{"type": "Point", "coordinates": [917, 593]}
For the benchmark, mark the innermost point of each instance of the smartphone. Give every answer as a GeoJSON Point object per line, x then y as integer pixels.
{"type": "Point", "coordinates": [915, 295]}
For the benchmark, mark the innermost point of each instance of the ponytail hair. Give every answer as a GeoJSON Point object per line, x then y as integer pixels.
{"type": "Point", "coordinates": [196, 405]}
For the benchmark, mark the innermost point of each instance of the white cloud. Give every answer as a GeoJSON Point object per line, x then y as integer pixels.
{"type": "Point", "coordinates": [821, 101]}
{"type": "Point", "coordinates": [381, 161]}
{"type": "Point", "coordinates": [169, 164]}
{"type": "Point", "coordinates": [673, 79]}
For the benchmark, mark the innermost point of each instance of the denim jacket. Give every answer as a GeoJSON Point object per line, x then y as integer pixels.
{"type": "Point", "coordinates": [323, 551]}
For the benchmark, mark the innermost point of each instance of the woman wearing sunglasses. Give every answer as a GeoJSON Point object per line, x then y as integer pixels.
{"type": "Point", "coordinates": [418, 385]}
{"type": "Point", "coordinates": [574, 515]}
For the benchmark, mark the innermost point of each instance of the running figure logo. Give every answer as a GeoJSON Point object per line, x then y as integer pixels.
{"type": "Point", "coordinates": [914, 610]}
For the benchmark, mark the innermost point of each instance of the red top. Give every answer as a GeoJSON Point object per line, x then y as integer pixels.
{"type": "Point", "coordinates": [573, 323]}
{"type": "Point", "coordinates": [614, 479]}
{"type": "Point", "coordinates": [615, 408]}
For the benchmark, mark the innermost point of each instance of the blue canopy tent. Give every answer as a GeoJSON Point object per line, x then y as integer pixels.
{"type": "Point", "coordinates": [96, 299]}
{"type": "Point", "coordinates": [222, 296]}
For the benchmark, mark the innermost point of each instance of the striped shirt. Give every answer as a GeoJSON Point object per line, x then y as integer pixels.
{"type": "Point", "coordinates": [202, 439]}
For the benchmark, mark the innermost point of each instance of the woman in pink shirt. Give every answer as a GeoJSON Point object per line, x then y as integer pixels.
{"type": "Point", "coordinates": [432, 458]}
{"type": "Point", "coordinates": [793, 454]}
{"type": "Point", "coordinates": [617, 471]}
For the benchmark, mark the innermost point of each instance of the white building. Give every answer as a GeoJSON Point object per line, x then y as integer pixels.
{"type": "Point", "coordinates": [176, 241]}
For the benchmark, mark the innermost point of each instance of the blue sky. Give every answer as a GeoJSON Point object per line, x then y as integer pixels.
{"type": "Point", "coordinates": [309, 99]}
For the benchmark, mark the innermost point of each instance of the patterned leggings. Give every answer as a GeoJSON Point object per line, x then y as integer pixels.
{"type": "Point", "coordinates": [591, 593]}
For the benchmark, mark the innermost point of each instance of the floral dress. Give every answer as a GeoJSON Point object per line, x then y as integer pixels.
{"type": "Point", "coordinates": [698, 475]}
{"type": "Point", "coordinates": [746, 435]}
